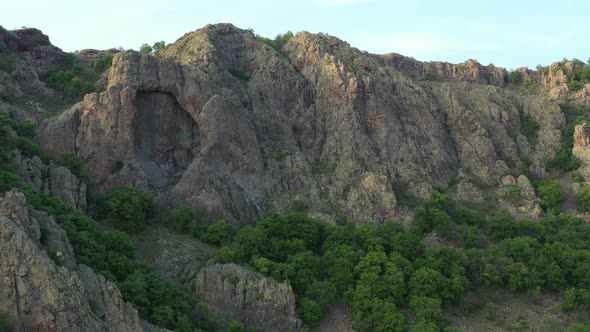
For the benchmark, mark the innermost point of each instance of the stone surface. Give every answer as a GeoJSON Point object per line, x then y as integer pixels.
{"type": "Point", "coordinates": [40, 295]}
{"type": "Point", "coordinates": [582, 148]}
{"type": "Point", "coordinates": [64, 185]}
{"type": "Point", "coordinates": [225, 123]}
{"type": "Point", "coordinates": [238, 293]}
{"type": "Point", "coordinates": [527, 207]}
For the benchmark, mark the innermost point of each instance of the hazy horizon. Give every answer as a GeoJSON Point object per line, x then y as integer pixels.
{"type": "Point", "coordinates": [507, 34]}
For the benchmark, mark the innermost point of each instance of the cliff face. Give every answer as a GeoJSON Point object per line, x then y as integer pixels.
{"type": "Point", "coordinates": [224, 122]}
{"type": "Point", "coordinates": [44, 294]}
{"type": "Point", "coordinates": [238, 293]}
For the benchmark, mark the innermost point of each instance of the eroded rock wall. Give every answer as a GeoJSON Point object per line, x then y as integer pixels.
{"type": "Point", "coordinates": [223, 122]}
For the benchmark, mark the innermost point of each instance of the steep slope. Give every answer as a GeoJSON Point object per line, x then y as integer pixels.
{"type": "Point", "coordinates": [226, 123]}
{"type": "Point", "coordinates": [44, 294]}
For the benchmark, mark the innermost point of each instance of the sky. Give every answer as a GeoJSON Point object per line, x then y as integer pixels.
{"type": "Point", "coordinates": [509, 34]}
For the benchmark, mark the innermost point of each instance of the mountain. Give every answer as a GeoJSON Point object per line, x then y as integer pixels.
{"type": "Point", "coordinates": [223, 122]}
{"type": "Point", "coordinates": [231, 125]}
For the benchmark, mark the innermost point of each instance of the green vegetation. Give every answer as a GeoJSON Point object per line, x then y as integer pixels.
{"type": "Point", "coordinates": [513, 194]}
{"type": "Point", "coordinates": [217, 233]}
{"type": "Point", "coordinates": [243, 77]}
{"type": "Point", "coordinates": [145, 49]}
{"type": "Point", "coordinates": [4, 323]}
{"type": "Point", "coordinates": [529, 126]}
{"type": "Point", "coordinates": [75, 78]}
{"type": "Point", "coordinates": [73, 162]}
{"type": "Point", "coordinates": [7, 59]}
{"type": "Point", "coordinates": [319, 168]}
{"type": "Point", "coordinates": [430, 77]}
{"type": "Point", "coordinates": [109, 252]}
{"type": "Point", "coordinates": [127, 209]}
{"type": "Point", "coordinates": [490, 311]}
{"type": "Point", "coordinates": [550, 195]}
{"type": "Point", "coordinates": [515, 77]}
{"type": "Point", "coordinates": [403, 194]}
{"type": "Point", "coordinates": [387, 276]}
{"type": "Point", "coordinates": [104, 63]}
{"type": "Point", "coordinates": [583, 199]}
{"type": "Point", "coordinates": [278, 42]}
{"type": "Point", "coordinates": [564, 160]}
{"type": "Point", "coordinates": [578, 76]}
{"type": "Point", "coordinates": [158, 46]}
{"type": "Point", "coordinates": [181, 45]}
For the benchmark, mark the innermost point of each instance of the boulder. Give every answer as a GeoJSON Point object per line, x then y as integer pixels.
{"type": "Point", "coordinates": [238, 293]}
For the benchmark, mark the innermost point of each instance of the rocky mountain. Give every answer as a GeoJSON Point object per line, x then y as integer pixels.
{"type": "Point", "coordinates": [224, 122]}
{"type": "Point", "coordinates": [236, 125]}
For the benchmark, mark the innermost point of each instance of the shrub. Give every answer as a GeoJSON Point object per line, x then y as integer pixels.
{"type": "Point", "coordinates": [310, 311]}
{"type": "Point", "coordinates": [490, 311]}
{"type": "Point", "coordinates": [145, 49]}
{"type": "Point", "coordinates": [7, 61]}
{"type": "Point", "coordinates": [4, 323]}
{"type": "Point", "coordinates": [127, 209]}
{"type": "Point", "coordinates": [583, 199]}
{"type": "Point", "coordinates": [550, 195]}
{"type": "Point", "coordinates": [513, 194]}
{"type": "Point", "coordinates": [182, 219]}
{"type": "Point", "coordinates": [577, 177]}
{"type": "Point", "coordinates": [217, 233]}
{"type": "Point", "coordinates": [515, 77]}
{"type": "Point", "coordinates": [529, 126]}
{"type": "Point", "coordinates": [158, 46]}
{"type": "Point", "coordinates": [279, 41]}
{"type": "Point", "coordinates": [104, 63]}
{"type": "Point", "coordinates": [73, 162]}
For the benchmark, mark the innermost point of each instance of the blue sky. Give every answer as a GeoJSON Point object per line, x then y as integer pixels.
{"type": "Point", "coordinates": [507, 33]}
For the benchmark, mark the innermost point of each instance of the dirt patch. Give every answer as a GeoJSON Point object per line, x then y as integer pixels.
{"type": "Point", "coordinates": [337, 318]}
{"type": "Point", "coordinates": [499, 310]}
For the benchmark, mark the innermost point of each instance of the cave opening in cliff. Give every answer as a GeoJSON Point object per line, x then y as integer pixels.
{"type": "Point", "coordinates": [166, 137]}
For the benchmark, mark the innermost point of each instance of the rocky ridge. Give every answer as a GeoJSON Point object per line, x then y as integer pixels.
{"type": "Point", "coordinates": [243, 129]}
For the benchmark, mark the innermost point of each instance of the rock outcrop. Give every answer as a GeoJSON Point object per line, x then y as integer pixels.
{"type": "Point", "coordinates": [57, 181]}
{"type": "Point", "coordinates": [238, 293]}
{"type": "Point", "coordinates": [223, 122]}
{"type": "Point", "coordinates": [582, 148]}
{"type": "Point", "coordinates": [518, 197]}
{"type": "Point", "coordinates": [64, 185]}
{"type": "Point", "coordinates": [32, 54]}
{"type": "Point", "coordinates": [44, 294]}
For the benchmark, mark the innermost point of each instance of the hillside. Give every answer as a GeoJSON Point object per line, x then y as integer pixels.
{"type": "Point", "coordinates": [385, 192]}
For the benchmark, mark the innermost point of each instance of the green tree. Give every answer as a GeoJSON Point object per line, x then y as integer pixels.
{"type": "Point", "coordinates": [145, 49]}
{"type": "Point", "coordinates": [428, 282]}
{"type": "Point", "coordinates": [158, 46]}
{"type": "Point", "coordinates": [550, 195]}
{"type": "Point", "coordinates": [310, 311]}
{"type": "Point", "coordinates": [426, 308]}
{"type": "Point", "coordinates": [183, 217]}
{"type": "Point", "coordinates": [424, 326]}
{"type": "Point", "coordinates": [583, 199]}
{"type": "Point", "coordinates": [163, 316]}
{"type": "Point", "coordinates": [127, 209]}
{"type": "Point", "coordinates": [217, 233]}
